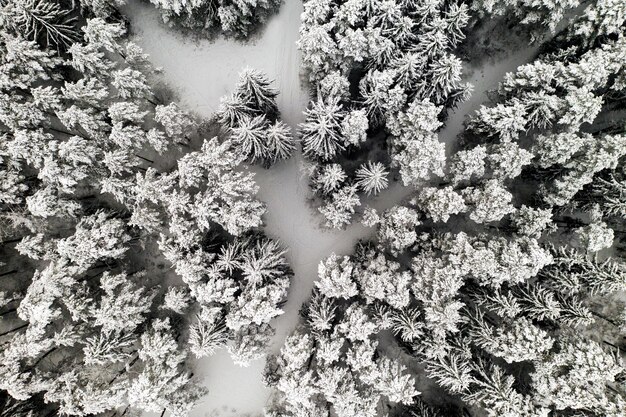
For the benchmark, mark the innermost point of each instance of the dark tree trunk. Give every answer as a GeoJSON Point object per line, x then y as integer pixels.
{"type": "Point", "coordinates": [14, 330]}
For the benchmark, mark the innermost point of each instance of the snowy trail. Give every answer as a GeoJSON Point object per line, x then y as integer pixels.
{"type": "Point", "coordinates": [201, 72]}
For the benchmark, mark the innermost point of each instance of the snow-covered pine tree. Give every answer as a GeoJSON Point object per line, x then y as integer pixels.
{"type": "Point", "coordinates": [251, 114]}
{"type": "Point", "coordinates": [49, 23]}
{"type": "Point", "coordinates": [321, 132]}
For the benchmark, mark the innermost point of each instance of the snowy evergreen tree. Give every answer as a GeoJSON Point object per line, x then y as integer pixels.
{"type": "Point", "coordinates": [335, 277]}
{"type": "Point", "coordinates": [531, 222]}
{"type": "Point", "coordinates": [321, 132]}
{"type": "Point", "coordinates": [559, 380]}
{"type": "Point", "coordinates": [441, 203]}
{"type": "Point", "coordinates": [372, 177]}
{"type": "Point", "coordinates": [340, 207]}
{"type": "Point", "coordinates": [397, 228]}
{"type": "Point", "coordinates": [251, 114]}
{"type": "Point", "coordinates": [49, 23]}
{"type": "Point", "coordinates": [488, 203]}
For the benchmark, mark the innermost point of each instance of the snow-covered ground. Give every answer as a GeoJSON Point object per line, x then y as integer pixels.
{"type": "Point", "coordinates": [202, 71]}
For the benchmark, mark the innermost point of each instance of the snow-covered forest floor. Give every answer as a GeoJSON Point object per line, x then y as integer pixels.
{"type": "Point", "coordinates": [200, 72]}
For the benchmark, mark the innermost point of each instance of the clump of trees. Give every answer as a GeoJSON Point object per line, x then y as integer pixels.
{"type": "Point", "coordinates": [90, 341]}
{"type": "Point", "coordinates": [333, 362]}
{"type": "Point", "coordinates": [503, 280]}
{"type": "Point", "coordinates": [232, 18]}
{"type": "Point", "coordinates": [529, 13]}
{"type": "Point", "coordinates": [480, 313]}
{"type": "Point", "coordinates": [383, 74]}
{"type": "Point", "coordinates": [102, 187]}
{"type": "Point", "coordinates": [206, 217]}
{"type": "Point", "coordinates": [602, 17]}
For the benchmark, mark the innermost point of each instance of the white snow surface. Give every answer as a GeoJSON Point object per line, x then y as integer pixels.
{"type": "Point", "coordinates": [200, 72]}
